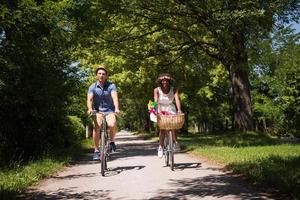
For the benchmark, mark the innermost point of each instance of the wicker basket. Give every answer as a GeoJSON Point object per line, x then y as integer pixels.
{"type": "Point", "coordinates": [170, 122]}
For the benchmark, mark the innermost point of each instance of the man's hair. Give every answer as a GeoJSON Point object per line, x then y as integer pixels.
{"type": "Point", "coordinates": [100, 68]}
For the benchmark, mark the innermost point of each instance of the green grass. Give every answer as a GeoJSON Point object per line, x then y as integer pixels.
{"type": "Point", "coordinates": [263, 160]}
{"type": "Point", "coordinates": [16, 179]}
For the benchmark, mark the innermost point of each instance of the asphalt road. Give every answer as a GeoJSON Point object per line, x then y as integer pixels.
{"type": "Point", "coordinates": [135, 172]}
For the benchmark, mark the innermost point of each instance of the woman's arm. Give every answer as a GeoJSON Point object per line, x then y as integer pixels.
{"type": "Point", "coordinates": [155, 94]}
{"type": "Point", "coordinates": [177, 101]}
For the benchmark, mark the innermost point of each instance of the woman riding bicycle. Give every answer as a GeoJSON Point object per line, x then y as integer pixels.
{"type": "Point", "coordinates": [164, 96]}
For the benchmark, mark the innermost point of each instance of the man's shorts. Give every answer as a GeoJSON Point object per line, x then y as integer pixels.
{"type": "Point", "coordinates": [110, 119]}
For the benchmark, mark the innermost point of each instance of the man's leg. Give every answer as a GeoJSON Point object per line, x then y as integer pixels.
{"type": "Point", "coordinates": [112, 125]}
{"type": "Point", "coordinates": [96, 136]}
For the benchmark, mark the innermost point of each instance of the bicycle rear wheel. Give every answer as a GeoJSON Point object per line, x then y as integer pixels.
{"type": "Point", "coordinates": [103, 149]}
{"type": "Point", "coordinates": [171, 150]}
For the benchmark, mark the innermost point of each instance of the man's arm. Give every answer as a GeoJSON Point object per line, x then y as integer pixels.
{"type": "Point", "coordinates": [115, 98]}
{"type": "Point", "coordinates": [89, 102]}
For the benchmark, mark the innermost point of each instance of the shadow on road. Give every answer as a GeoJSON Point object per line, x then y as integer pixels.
{"type": "Point", "coordinates": [182, 166]}
{"type": "Point", "coordinates": [216, 186]}
{"type": "Point", "coordinates": [117, 170]}
{"type": "Point", "coordinates": [70, 193]}
{"type": "Point", "coordinates": [74, 176]}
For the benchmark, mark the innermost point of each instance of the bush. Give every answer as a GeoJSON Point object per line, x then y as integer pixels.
{"type": "Point", "coordinates": [76, 127]}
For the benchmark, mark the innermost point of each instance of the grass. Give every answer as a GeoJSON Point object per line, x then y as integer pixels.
{"type": "Point", "coordinates": [14, 180]}
{"type": "Point", "coordinates": [263, 160]}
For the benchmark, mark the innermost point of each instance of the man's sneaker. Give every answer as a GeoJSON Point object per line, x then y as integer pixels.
{"type": "Point", "coordinates": [113, 147]}
{"type": "Point", "coordinates": [160, 152]}
{"type": "Point", "coordinates": [96, 155]}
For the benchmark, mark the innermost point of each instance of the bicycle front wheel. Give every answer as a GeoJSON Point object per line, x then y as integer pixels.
{"type": "Point", "coordinates": [103, 150]}
{"type": "Point", "coordinates": [171, 150]}
{"type": "Point", "coordinates": [166, 150]}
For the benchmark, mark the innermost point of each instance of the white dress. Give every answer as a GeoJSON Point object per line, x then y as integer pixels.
{"type": "Point", "coordinates": [165, 101]}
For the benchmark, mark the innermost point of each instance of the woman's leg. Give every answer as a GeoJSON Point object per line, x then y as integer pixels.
{"type": "Point", "coordinates": [174, 136]}
{"type": "Point", "coordinates": [162, 135]}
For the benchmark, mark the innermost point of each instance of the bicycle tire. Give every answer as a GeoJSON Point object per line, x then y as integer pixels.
{"type": "Point", "coordinates": [103, 149]}
{"type": "Point", "coordinates": [171, 150]}
{"type": "Point", "coordinates": [166, 151]}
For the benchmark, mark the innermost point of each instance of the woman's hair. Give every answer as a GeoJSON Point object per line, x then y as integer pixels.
{"type": "Point", "coordinates": [165, 76]}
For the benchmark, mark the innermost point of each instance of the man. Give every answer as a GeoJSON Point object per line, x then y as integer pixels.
{"type": "Point", "coordinates": [103, 97]}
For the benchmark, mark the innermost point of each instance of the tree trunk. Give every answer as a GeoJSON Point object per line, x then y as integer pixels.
{"type": "Point", "coordinates": [242, 107]}
{"type": "Point", "coordinates": [237, 65]}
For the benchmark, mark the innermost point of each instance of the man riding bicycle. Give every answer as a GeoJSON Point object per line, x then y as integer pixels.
{"type": "Point", "coordinates": [103, 97]}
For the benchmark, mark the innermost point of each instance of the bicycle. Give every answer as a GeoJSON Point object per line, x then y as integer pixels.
{"type": "Point", "coordinates": [105, 143]}
{"type": "Point", "coordinates": [168, 150]}
{"type": "Point", "coordinates": [169, 123]}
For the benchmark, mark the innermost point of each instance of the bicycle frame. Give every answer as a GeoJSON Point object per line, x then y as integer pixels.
{"type": "Point", "coordinates": [169, 149]}
{"type": "Point", "coordinates": [105, 143]}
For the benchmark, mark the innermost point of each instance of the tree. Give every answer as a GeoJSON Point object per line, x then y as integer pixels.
{"type": "Point", "coordinates": [37, 82]}
{"type": "Point", "coordinates": [275, 81]}
{"type": "Point", "coordinates": [168, 30]}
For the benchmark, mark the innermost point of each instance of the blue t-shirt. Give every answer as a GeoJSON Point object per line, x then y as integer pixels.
{"type": "Point", "coordinates": [102, 99]}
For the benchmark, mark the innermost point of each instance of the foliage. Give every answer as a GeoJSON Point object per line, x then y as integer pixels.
{"type": "Point", "coordinates": [175, 36]}
{"type": "Point", "coordinates": [77, 129]}
{"type": "Point", "coordinates": [276, 83]}
{"type": "Point", "coordinates": [37, 81]}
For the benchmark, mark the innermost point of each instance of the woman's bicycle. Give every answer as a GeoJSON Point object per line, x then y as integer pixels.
{"type": "Point", "coordinates": [105, 143]}
{"type": "Point", "coordinates": [170, 123]}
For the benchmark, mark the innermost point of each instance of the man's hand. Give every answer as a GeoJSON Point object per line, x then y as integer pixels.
{"type": "Point", "coordinates": [89, 111]}
{"type": "Point", "coordinates": [117, 111]}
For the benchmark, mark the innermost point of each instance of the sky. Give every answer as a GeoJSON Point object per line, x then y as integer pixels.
{"type": "Point", "coordinates": [297, 27]}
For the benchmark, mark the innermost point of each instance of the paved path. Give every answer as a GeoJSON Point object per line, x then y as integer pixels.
{"type": "Point", "coordinates": [137, 173]}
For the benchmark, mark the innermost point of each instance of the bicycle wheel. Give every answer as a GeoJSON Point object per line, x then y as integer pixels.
{"type": "Point", "coordinates": [103, 149]}
{"type": "Point", "coordinates": [171, 150]}
{"type": "Point", "coordinates": [166, 150]}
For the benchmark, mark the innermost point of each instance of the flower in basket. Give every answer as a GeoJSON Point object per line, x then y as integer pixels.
{"type": "Point", "coordinates": [166, 113]}
{"type": "Point", "coordinates": [152, 107]}
{"type": "Point", "coordinates": [152, 110]}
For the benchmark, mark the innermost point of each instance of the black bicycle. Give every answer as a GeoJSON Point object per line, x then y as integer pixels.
{"type": "Point", "coordinates": [105, 143]}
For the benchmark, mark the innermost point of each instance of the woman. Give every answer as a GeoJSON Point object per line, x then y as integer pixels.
{"type": "Point", "coordinates": [164, 96]}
